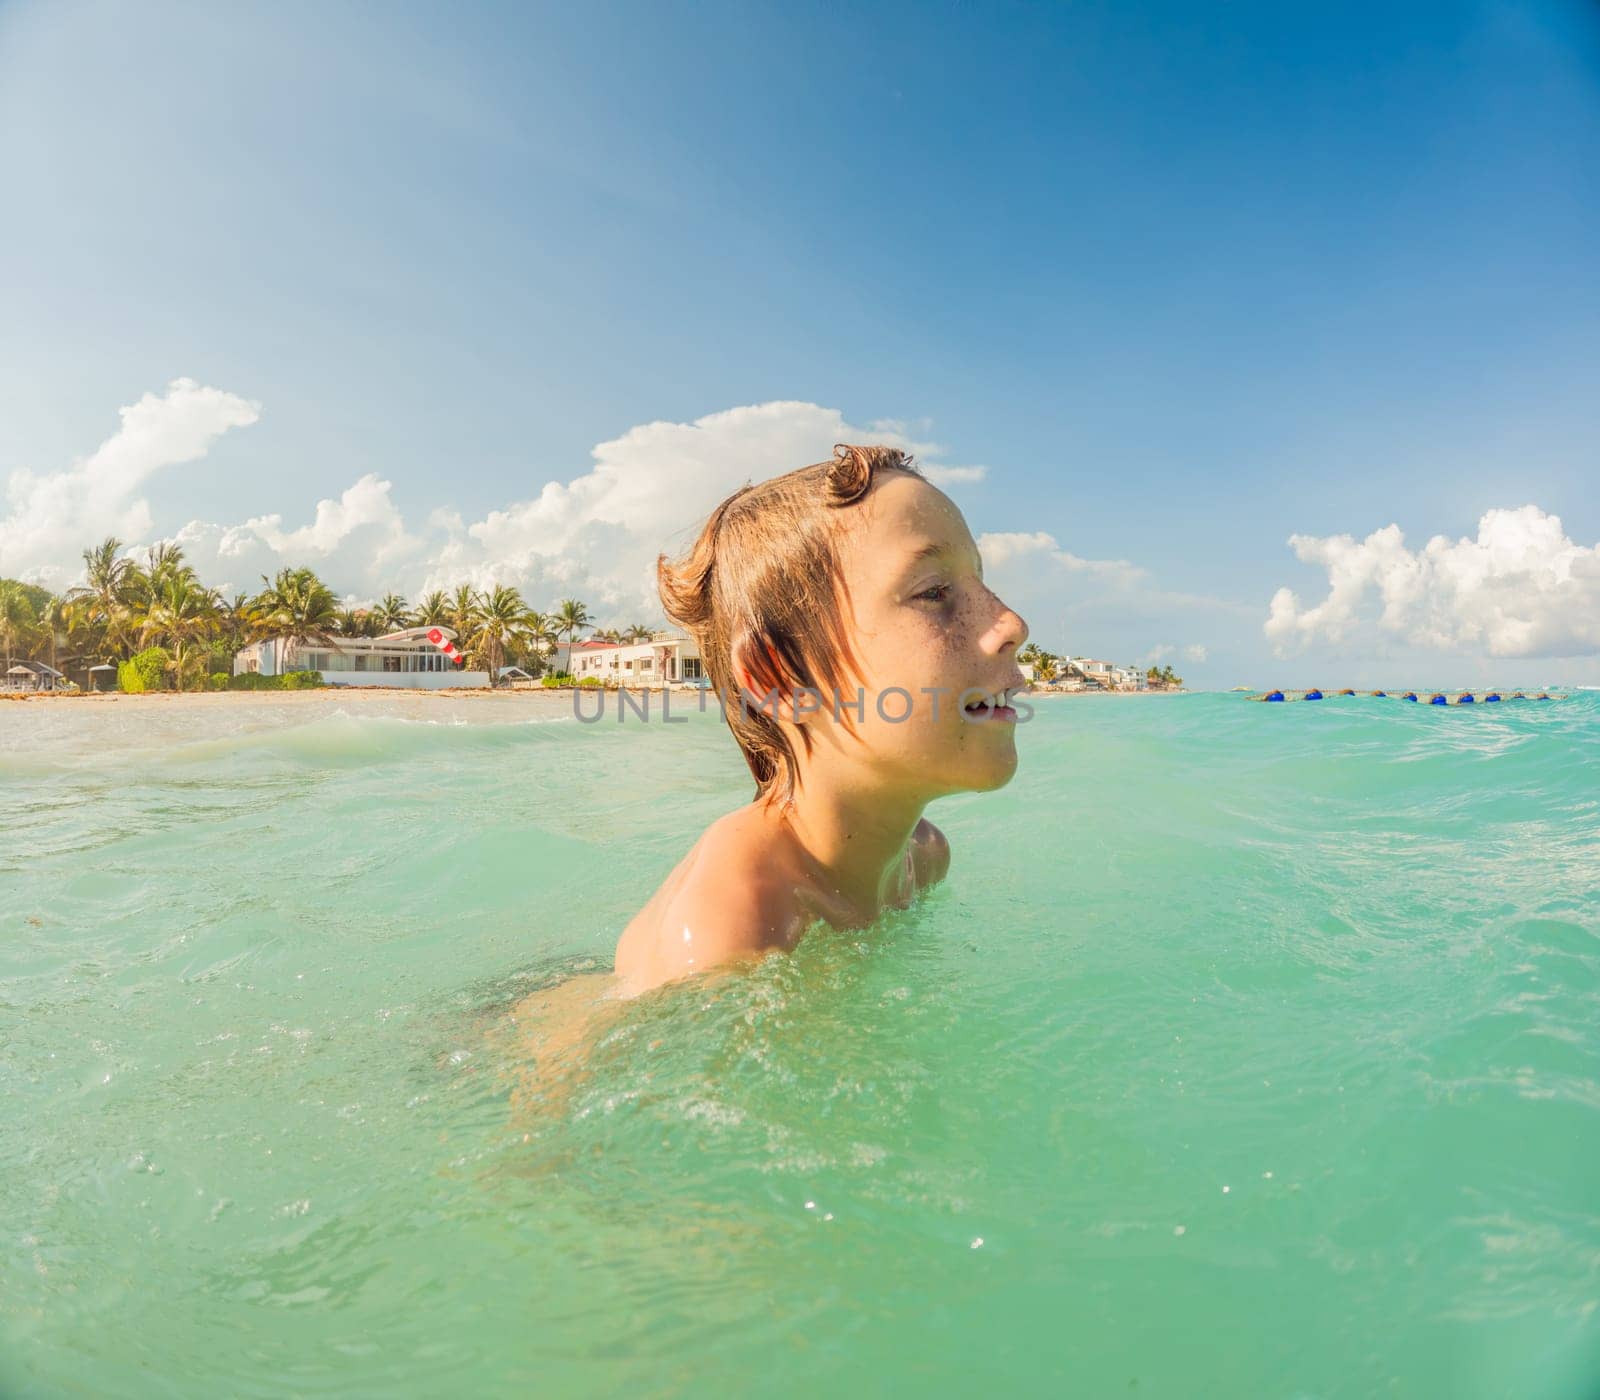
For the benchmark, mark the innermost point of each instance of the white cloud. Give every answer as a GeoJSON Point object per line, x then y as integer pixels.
{"type": "Point", "coordinates": [51, 516]}
{"type": "Point", "coordinates": [954, 476]}
{"type": "Point", "coordinates": [598, 534]}
{"type": "Point", "coordinates": [361, 534]}
{"type": "Point", "coordinates": [1195, 651]}
{"type": "Point", "coordinates": [1002, 547]}
{"type": "Point", "coordinates": [1521, 588]}
{"type": "Point", "coordinates": [365, 503]}
{"type": "Point", "coordinates": [594, 535]}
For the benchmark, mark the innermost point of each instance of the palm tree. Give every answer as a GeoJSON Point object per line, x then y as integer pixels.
{"type": "Point", "coordinates": [535, 642]}
{"type": "Point", "coordinates": [103, 600]}
{"type": "Point", "coordinates": [499, 617]}
{"type": "Point", "coordinates": [571, 617]}
{"type": "Point", "coordinates": [390, 615]}
{"type": "Point", "coordinates": [16, 617]}
{"type": "Point", "coordinates": [182, 615]}
{"type": "Point", "coordinates": [296, 606]}
{"type": "Point", "coordinates": [236, 623]}
{"type": "Point", "coordinates": [433, 610]}
{"type": "Point", "coordinates": [55, 622]}
{"type": "Point", "coordinates": [462, 605]}
{"type": "Point", "coordinates": [163, 561]}
{"type": "Point", "coordinates": [637, 632]}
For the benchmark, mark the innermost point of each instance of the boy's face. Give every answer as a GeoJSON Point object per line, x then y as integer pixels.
{"type": "Point", "coordinates": [933, 644]}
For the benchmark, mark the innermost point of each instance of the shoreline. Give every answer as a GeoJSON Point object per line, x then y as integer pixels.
{"type": "Point", "coordinates": [364, 693]}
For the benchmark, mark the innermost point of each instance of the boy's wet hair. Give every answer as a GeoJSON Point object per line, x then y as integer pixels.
{"type": "Point", "coordinates": [763, 581]}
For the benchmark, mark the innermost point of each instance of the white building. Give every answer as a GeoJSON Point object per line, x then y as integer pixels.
{"type": "Point", "coordinates": [406, 659]}
{"type": "Point", "coordinates": [667, 659]}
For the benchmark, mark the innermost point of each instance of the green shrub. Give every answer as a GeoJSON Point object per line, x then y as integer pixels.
{"type": "Point", "coordinates": [146, 671]}
{"type": "Point", "coordinates": [217, 680]}
{"type": "Point", "coordinates": [591, 683]}
{"type": "Point", "coordinates": [559, 678]}
{"type": "Point", "coordinates": [294, 680]}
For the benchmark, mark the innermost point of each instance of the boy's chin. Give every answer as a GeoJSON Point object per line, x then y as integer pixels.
{"type": "Point", "coordinates": [987, 777]}
{"type": "Point", "coordinates": [1000, 778]}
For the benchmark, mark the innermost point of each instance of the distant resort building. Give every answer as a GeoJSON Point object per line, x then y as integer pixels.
{"type": "Point", "coordinates": [406, 659]}
{"type": "Point", "coordinates": [32, 676]}
{"type": "Point", "coordinates": [1090, 673]}
{"type": "Point", "coordinates": [666, 659]}
{"type": "Point", "coordinates": [1084, 673]}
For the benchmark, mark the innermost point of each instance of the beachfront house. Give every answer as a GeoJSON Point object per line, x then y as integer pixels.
{"type": "Point", "coordinates": [668, 658]}
{"type": "Point", "coordinates": [405, 659]}
{"type": "Point", "coordinates": [32, 676]}
{"type": "Point", "coordinates": [1089, 674]}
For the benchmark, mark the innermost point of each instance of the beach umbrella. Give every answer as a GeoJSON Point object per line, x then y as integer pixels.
{"type": "Point", "coordinates": [100, 669]}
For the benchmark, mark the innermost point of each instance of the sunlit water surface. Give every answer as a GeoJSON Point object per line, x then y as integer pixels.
{"type": "Point", "coordinates": [1249, 1050]}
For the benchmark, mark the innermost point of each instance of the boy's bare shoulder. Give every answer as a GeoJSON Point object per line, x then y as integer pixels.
{"type": "Point", "coordinates": [930, 853]}
{"type": "Point", "coordinates": [732, 896]}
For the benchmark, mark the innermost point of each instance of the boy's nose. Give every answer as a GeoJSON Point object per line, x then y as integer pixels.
{"type": "Point", "coordinates": [1008, 630]}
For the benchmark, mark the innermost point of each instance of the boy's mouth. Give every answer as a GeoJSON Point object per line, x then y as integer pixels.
{"type": "Point", "coordinates": [992, 706]}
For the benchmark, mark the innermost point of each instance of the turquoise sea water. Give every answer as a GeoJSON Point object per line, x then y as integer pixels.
{"type": "Point", "coordinates": [1249, 1050]}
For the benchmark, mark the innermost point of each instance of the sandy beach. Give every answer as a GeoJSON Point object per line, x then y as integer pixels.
{"type": "Point", "coordinates": [372, 694]}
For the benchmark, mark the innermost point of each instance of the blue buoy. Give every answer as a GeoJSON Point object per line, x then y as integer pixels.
{"type": "Point", "coordinates": [1380, 693]}
{"type": "Point", "coordinates": [1492, 698]}
{"type": "Point", "coordinates": [1274, 696]}
{"type": "Point", "coordinates": [1465, 699]}
{"type": "Point", "coordinates": [1410, 695]}
{"type": "Point", "coordinates": [1312, 695]}
{"type": "Point", "coordinates": [1438, 700]}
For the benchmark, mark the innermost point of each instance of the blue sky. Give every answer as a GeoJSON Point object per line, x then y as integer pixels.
{"type": "Point", "coordinates": [1184, 281]}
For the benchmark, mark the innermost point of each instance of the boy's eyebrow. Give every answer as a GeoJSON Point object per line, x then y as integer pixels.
{"type": "Point", "coordinates": [927, 551]}
{"type": "Point", "coordinates": [938, 547]}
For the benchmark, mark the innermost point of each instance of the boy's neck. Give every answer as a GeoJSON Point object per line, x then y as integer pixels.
{"type": "Point", "coordinates": [857, 838]}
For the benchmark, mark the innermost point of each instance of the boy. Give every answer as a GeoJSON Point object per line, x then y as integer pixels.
{"type": "Point", "coordinates": [865, 669]}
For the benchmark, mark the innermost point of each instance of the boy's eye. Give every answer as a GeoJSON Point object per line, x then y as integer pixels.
{"type": "Point", "coordinates": [937, 594]}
